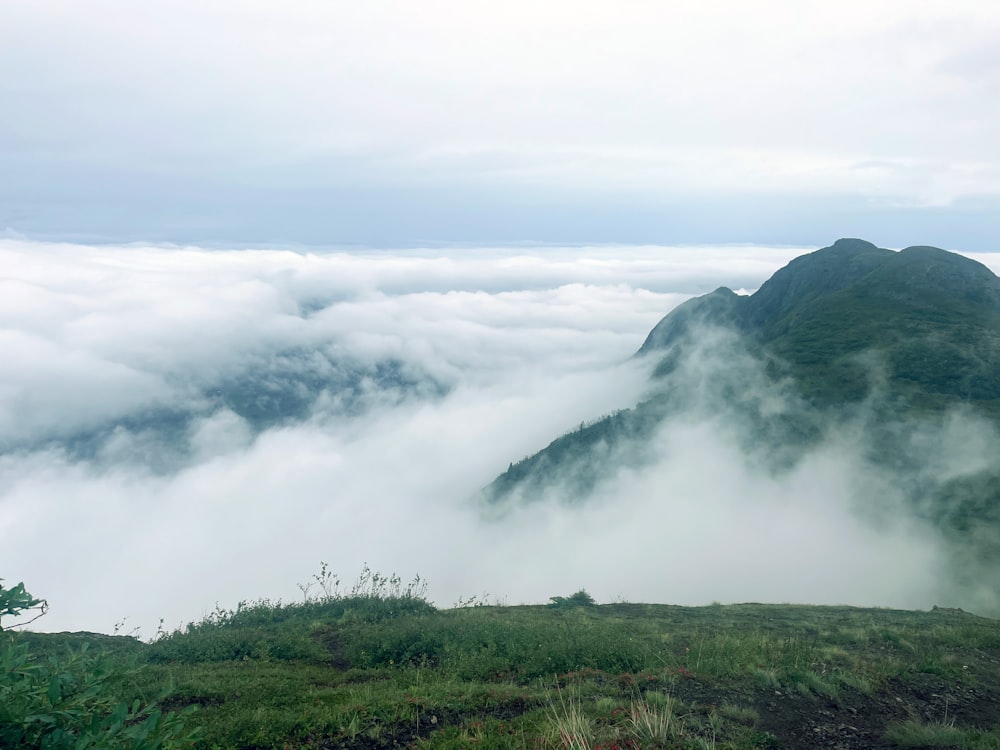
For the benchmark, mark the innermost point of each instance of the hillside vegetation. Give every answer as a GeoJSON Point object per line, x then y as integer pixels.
{"type": "Point", "coordinates": [902, 335]}
{"type": "Point", "coordinates": [383, 668]}
{"type": "Point", "coordinates": [928, 318]}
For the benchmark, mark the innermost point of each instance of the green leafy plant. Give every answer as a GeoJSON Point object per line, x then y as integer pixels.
{"type": "Point", "coordinates": [74, 702]}
{"type": "Point", "coordinates": [15, 601]}
{"type": "Point", "coordinates": [580, 599]}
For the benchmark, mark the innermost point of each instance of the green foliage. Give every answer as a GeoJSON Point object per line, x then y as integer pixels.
{"type": "Point", "coordinates": [624, 675]}
{"type": "Point", "coordinates": [75, 701]}
{"type": "Point", "coordinates": [16, 600]}
{"type": "Point", "coordinates": [486, 642]}
{"type": "Point", "coordinates": [373, 667]}
{"type": "Point", "coordinates": [580, 599]}
{"type": "Point", "coordinates": [264, 630]}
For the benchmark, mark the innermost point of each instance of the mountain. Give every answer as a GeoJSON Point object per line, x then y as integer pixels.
{"type": "Point", "coordinates": [234, 403]}
{"type": "Point", "coordinates": [899, 350]}
{"type": "Point", "coordinates": [930, 319]}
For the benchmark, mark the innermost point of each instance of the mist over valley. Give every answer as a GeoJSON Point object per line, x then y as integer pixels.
{"type": "Point", "coordinates": [194, 426]}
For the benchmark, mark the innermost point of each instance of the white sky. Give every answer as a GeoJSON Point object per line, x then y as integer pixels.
{"type": "Point", "coordinates": [326, 121]}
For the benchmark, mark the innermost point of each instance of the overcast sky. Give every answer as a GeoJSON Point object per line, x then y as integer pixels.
{"type": "Point", "coordinates": [392, 122]}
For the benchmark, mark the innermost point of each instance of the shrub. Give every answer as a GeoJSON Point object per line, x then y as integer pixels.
{"type": "Point", "coordinates": [72, 702]}
{"type": "Point", "coordinates": [914, 733]}
{"type": "Point", "coordinates": [580, 599]}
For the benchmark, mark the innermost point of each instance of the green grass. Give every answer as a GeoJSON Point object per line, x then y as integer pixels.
{"type": "Point", "coordinates": [370, 671]}
{"type": "Point", "coordinates": [914, 733]}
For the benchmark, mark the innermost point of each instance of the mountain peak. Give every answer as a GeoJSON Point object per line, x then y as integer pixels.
{"type": "Point", "coordinates": [933, 315]}
{"type": "Point", "coordinates": [815, 275]}
{"type": "Point", "coordinates": [851, 245]}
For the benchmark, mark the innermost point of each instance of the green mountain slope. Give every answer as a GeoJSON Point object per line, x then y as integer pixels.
{"type": "Point", "coordinates": [890, 347]}
{"type": "Point", "coordinates": [929, 318]}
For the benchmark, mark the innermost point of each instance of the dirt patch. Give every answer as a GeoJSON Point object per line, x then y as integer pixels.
{"type": "Point", "coordinates": [852, 720]}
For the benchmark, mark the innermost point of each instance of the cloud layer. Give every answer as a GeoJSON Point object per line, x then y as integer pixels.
{"type": "Point", "coordinates": [139, 479]}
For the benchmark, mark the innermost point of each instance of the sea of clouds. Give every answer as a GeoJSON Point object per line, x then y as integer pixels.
{"type": "Point", "coordinates": [182, 427]}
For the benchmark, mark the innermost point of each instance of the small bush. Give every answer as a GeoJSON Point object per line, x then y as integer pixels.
{"type": "Point", "coordinates": [580, 599]}
{"type": "Point", "coordinates": [73, 702]}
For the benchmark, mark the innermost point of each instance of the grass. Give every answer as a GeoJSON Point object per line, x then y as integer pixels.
{"type": "Point", "coordinates": [914, 733]}
{"type": "Point", "coordinates": [372, 671]}
{"type": "Point", "coordinates": [656, 722]}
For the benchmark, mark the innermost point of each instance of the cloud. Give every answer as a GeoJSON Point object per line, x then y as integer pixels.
{"type": "Point", "coordinates": [140, 479]}
{"type": "Point", "coordinates": [701, 524]}
{"type": "Point", "coordinates": [136, 459]}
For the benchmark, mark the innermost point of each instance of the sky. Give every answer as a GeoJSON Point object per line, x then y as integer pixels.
{"type": "Point", "coordinates": [283, 283]}
{"type": "Point", "coordinates": [138, 483]}
{"type": "Point", "coordinates": [389, 123]}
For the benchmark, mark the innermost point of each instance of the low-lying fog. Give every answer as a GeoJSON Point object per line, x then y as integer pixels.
{"type": "Point", "coordinates": [379, 391]}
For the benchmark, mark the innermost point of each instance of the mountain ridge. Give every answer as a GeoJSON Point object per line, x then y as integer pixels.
{"type": "Point", "coordinates": [851, 297]}
{"type": "Point", "coordinates": [891, 348]}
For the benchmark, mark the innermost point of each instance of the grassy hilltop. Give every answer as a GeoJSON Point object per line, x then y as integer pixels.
{"type": "Point", "coordinates": [380, 667]}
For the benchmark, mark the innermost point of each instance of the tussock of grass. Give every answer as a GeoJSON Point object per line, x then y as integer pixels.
{"type": "Point", "coordinates": [656, 725]}
{"type": "Point", "coordinates": [766, 677]}
{"type": "Point", "coordinates": [913, 733]}
{"type": "Point", "coordinates": [739, 713]}
{"type": "Point", "coordinates": [976, 739]}
{"type": "Point", "coordinates": [810, 682]}
{"type": "Point", "coordinates": [859, 683]}
{"type": "Point", "coordinates": [571, 728]}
